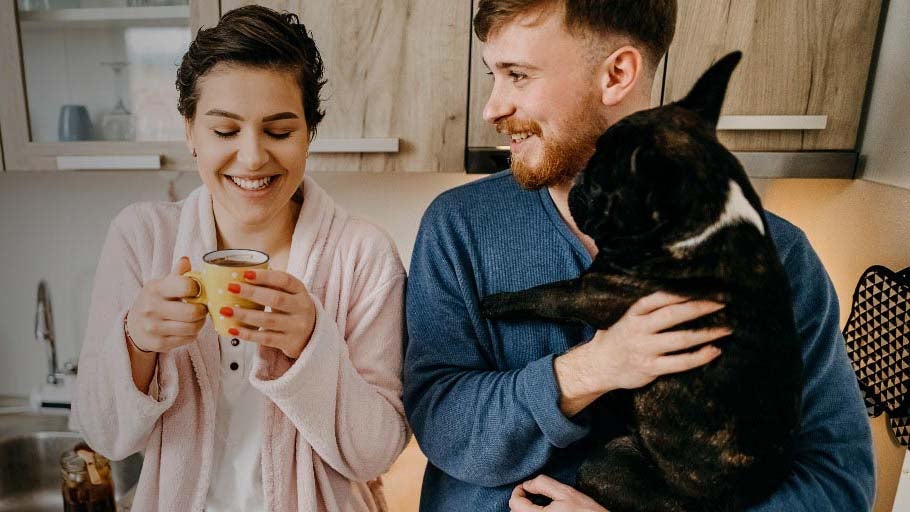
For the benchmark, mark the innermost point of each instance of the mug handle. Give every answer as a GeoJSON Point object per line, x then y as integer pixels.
{"type": "Point", "coordinates": [200, 297]}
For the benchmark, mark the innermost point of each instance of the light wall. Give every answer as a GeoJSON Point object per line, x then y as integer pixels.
{"type": "Point", "coordinates": [852, 225]}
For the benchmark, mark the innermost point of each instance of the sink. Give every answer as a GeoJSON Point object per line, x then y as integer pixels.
{"type": "Point", "coordinates": [30, 478]}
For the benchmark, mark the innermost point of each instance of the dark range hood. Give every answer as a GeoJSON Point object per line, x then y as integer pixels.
{"type": "Point", "coordinates": [783, 164]}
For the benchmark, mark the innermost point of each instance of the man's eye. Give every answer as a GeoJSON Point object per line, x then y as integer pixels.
{"type": "Point", "coordinates": [225, 135]}
{"type": "Point", "coordinates": [516, 76]}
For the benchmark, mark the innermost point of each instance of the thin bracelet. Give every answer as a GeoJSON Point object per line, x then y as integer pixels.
{"type": "Point", "coordinates": [126, 331]}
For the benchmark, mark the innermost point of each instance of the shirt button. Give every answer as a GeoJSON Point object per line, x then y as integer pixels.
{"type": "Point", "coordinates": [235, 342]}
{"type": "Point", "coordinates": [234, 366]}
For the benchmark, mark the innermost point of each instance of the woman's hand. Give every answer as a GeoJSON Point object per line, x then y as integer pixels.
{"type": "Point", "coordinates": [565, 498]}
{"type": "Point", "coordinates": [290, 323]}
{"type": "Point", "coordinates": [158, 321]}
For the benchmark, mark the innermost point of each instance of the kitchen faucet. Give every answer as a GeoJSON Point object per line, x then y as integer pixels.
{"type": "Point", "coordinates": [44, 331]}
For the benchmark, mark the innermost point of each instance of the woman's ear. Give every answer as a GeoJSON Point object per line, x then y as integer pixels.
{"type": "Point", "coordinates": [620, 74]}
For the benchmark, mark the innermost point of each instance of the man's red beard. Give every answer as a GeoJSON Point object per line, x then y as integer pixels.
{"type": "Point", "coordinates": [561, 160]}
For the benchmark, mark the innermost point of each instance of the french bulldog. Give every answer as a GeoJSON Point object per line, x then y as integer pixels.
{"type": "Point", "coordinates": [671, 209]}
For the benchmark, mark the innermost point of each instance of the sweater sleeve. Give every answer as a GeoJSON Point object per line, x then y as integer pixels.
{"type": "Point", "coordinates": [834, 461]}
{"type": "Point", "coordinates": [477, 424]}
{"type": "Point", "coordinates": [344, 392]}
{"type": "Point", "coordinates": [115, 417]}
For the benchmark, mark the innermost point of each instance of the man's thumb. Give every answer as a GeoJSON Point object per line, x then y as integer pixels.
{"type": "Point", "coordinates": [182, 266]}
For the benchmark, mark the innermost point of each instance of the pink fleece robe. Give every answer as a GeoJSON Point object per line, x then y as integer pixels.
{"type": "Point", "coordinates": [333, 420]}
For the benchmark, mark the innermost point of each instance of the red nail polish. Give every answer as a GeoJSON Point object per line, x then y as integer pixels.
{"type": "Point", "coordinates": [249, 274]}
{"type": "Point", "coordinates": [233, 331]}
{"type": "Point", "coordinates": [226, 311]}
{"type": "Point", "coordinates": [234, 288]}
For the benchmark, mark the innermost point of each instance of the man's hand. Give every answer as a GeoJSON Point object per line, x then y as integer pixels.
{"type": "Point", "coordinates": [565, 498]}
{"type": "Point", "coordinates": [636, 350]}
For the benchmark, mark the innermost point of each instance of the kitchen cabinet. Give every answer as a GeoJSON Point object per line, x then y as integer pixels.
{"type": "Point", "coordinates": [396, 69]}
{"type": "Point", "coordinates": [804, 62]}
{"type": "Point", "coordinates": [92, 85]}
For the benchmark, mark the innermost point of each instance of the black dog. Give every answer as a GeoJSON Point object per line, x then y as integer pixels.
{"type": "Point", "coordinates": [671, 209]}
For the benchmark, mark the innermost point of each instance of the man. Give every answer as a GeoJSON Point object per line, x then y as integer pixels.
{"type": "Point", "coordinates": [494, 404]}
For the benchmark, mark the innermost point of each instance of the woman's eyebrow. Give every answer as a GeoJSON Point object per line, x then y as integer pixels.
{"type": "Point", "coordinates": [282, 115]}
{"type": "Point", "coordinates": [266, 119]}
{"type": "Point", "coordinates": [223, 113]}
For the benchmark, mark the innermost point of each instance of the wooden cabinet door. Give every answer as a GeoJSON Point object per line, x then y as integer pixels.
{"type": "Point", "coordinates": [395, 68]}
{"type": "Point", "coordinates": [800, 58]}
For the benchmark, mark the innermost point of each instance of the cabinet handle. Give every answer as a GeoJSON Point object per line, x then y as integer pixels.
{"type": "Point", "coordinates": [362, 145]}
{"type": "Point", "coordinates": [772, 123]}
{"type": "Point", "coordinates": [82, 163]}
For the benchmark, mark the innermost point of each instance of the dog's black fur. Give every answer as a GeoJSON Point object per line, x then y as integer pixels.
{"type": "Point", "coordinates": [720, 437]}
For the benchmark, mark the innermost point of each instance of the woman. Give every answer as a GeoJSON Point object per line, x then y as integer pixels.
{"type": "Point", "coordinates": [303, 410]}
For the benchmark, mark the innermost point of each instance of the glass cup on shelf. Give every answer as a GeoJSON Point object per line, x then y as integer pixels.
{"type": "Point", "coordinates": [118, 123]}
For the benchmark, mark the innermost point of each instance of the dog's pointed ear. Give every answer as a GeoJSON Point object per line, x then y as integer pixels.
{"type": "Point", "coordinates": [707, 96]}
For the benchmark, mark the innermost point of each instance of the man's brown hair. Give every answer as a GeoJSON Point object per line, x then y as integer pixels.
{"type": "Point", "coordinates": [649, 23]}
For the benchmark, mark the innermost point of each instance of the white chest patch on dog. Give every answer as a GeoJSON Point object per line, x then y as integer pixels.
{"type": "Point", "coordinates": [736, 210]}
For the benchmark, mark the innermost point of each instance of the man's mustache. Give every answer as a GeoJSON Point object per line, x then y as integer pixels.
{"type": "Point", "coordinates": [509, 126]}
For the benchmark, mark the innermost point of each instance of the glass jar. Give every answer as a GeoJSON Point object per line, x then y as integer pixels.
{"type": "Point", "coordinates": [87, 484]}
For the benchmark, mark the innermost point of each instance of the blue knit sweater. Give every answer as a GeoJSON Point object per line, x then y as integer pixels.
{"type": "Point", "coordinates": [482, 397]}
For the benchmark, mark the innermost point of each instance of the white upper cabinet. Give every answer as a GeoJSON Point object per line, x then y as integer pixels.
{"type": "Point", "coordinates": [90, 83]}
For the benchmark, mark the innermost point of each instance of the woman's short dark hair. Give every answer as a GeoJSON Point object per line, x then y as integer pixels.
{"type": "Point", "coordinates": [259, 37]}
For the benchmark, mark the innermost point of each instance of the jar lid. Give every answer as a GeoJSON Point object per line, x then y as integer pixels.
{"type": "Point", "coordinates": [71, 462]}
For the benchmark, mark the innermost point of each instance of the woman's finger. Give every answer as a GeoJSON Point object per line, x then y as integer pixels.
{"type": "Point", "coordinates": [270, 321]}
{"type": "Point", "coordinates": [176, 287]}
{"type": "Point", "coordinates": [164, 328]}
{"type": "Point", "coordinates": [264, 338]}
{"type": "Point", "coordinates": [180, 311]}
{"type": "Point", "coordinates": [275, 279]}
{"type": "Point", "coordinates": [275, 299]}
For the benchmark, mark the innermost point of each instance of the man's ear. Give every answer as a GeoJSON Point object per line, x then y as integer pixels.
{"type": "Point", "coordinates": [620, 74]}
{"type": "Point", "coordinates": [707, 96]}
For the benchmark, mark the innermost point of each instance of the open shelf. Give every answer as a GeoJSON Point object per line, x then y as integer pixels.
{"type": "Point", "coordinates": [105, 17]}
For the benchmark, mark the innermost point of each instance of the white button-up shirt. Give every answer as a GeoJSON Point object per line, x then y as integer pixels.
{"type": "Point", "coordinates": [236, 483]}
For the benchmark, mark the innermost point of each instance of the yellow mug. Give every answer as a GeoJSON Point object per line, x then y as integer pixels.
{"type": "Point", "coordinates": [219, 269]}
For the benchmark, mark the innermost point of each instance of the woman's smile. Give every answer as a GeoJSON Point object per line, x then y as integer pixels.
{"type": "Point", "coordinates": [253, 186]}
